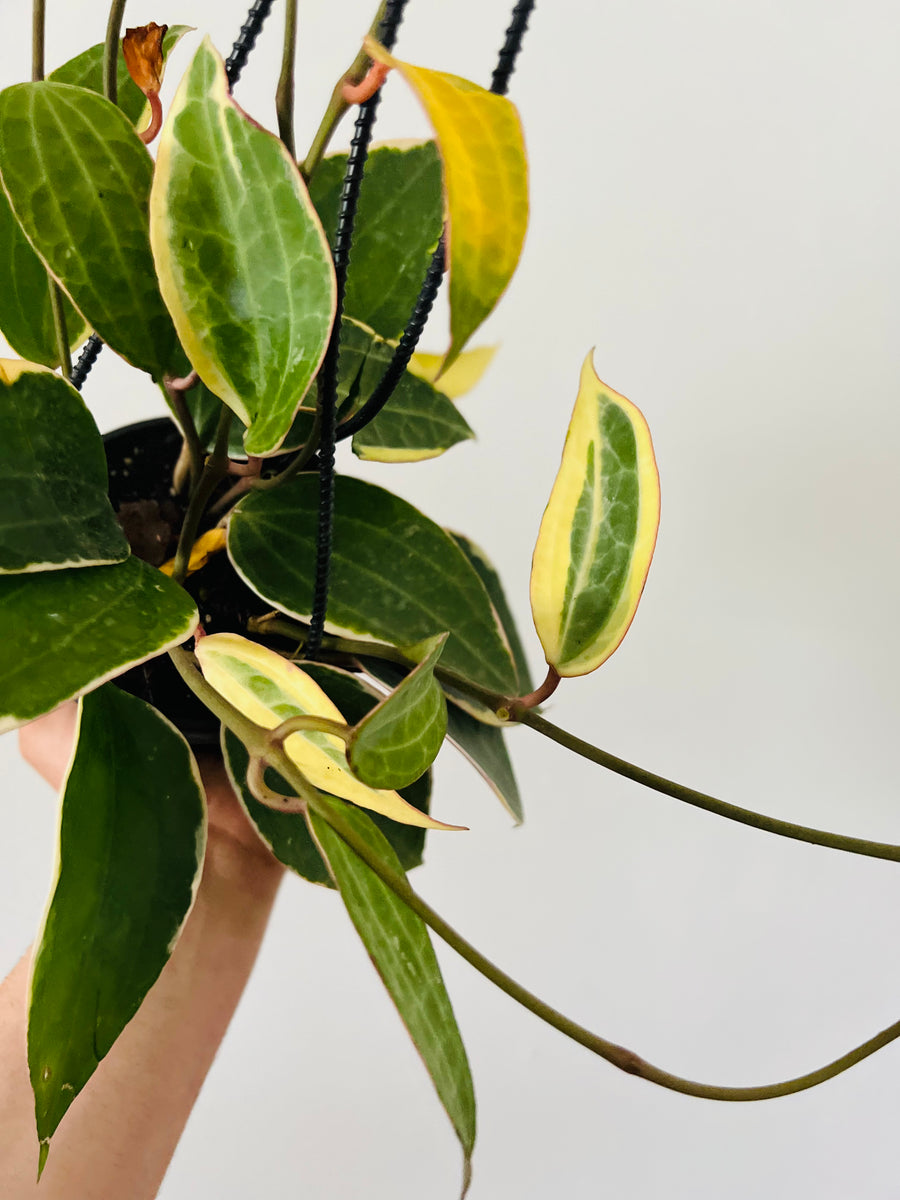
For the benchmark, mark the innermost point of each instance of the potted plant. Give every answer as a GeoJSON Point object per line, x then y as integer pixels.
{"type": "Point", "coordinates": [186, 270]}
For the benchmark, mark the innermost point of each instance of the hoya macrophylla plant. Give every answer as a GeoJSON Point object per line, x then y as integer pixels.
{"type": "Point", "coordinates": [270, 690]}
{"type": "Point", "coordinates": [598, 531]}
{"type": "Point", "coordinates": [242, 259]}
{"type": "Point", "coordinates": [482, 149]}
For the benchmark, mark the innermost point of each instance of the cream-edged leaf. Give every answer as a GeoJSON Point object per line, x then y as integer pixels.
{"type": "Point", "coordinates": [598, 531]}
{"type": "Point", "coordinates": [268, 689]}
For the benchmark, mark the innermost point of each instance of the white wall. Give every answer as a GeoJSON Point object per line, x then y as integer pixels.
{"type": "Point", "coordinates": [716, 190]}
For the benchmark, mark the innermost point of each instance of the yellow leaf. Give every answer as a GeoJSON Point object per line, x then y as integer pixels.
{"type": "Point", "coordinates": [12, 368]}
{"type": "Point", "coordinates": [480, 140]}
{"type": "Point", "coordinates": [465, 373]}
{"type": "Point", "coordinates": [598, 532]}
{"type": "Point", "coordinates": [268, 689]}
{"type": "Point", "coordinates": [206, 545]}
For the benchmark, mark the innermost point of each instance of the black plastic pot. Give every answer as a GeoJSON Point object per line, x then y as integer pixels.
{"type": "Point", "coordinates": [141, 459]}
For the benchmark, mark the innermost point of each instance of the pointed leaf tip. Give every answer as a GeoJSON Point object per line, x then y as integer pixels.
{"type": "Point", "coordinates": [598, 531]}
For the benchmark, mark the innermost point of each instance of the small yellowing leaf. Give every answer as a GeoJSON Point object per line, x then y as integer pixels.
{"type": "Point", "coordinates": [268, 689]}
{"type": "Point", "coordinates": [479, 137]}
{"type": "Point", "coordinates": [598, 531]}
{"type": "Point", "coordinates": [465, 373]}
{"type": "Point", "coordinates": [206, 545]}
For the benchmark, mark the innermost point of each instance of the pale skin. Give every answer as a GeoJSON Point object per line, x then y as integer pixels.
{"type": "Point", "coordinates": [116, 1141]}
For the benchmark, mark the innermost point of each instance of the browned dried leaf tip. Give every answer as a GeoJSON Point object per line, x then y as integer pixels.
{"type": "Point", "coordinates": [143, 52]}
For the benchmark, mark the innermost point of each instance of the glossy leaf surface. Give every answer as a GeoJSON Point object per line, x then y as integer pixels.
{"type": "Point", "coordinates": [242, 259]}
{"type": "Point", "coordinates": [479, 136]}
{"type": "Point", "coordinates": [487, 573]}
{"type": "Point", "coordinates": [418, 422]}
{"type": "Point", "coordinates": [54, 508]}
{"type": "Point", "coordinates": [66, 632]}
{"type": "Point", "coordinates": [598, 531]}
{"type": "Point", "coordinates": [86, 70]}
{"type": "Point", "coordinates": [131, 843]}
{"type": "Point", "coordinates": [268, 689]}
{"type": "Point", "coordinates": [396, 576]}
{"type": "Point", "coordinates": [79, 180]}
{"type": "Point", "coordinates": [287, 834]}
{"type": "Point", "coordinates": [399, 739]}
{"type": "Point", "coordinates": [398, 224]}
{"type": "Point", "coordinates": [483, 745]}
{"type": "Point", "coordinates": [26, 318]}
{"type": "Point", "coordinates": [398, 944]}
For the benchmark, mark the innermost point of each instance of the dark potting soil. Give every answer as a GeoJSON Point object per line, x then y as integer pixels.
{"type": "Point", "coordinates": [141, 459]}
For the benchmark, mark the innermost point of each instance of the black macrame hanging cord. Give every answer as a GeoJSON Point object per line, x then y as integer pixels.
{"type": "Point", "coordinates": [343, 240]}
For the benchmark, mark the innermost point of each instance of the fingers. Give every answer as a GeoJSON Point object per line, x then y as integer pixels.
{"type": "Point", "coordinates": [46, 744]}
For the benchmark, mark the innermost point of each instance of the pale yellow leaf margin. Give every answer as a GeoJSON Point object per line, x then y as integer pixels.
{"type": "Point", "coordinates": [552, 552]}
{"type": "Point", "coordinates": [240, 669]}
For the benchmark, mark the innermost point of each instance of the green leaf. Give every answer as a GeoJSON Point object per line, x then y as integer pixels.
{"type": "Point", "coordinates": [487, 573]}
{"type": "Point", "coordinates": [131, 843]}
{"type": "Point", "coordinates": [241, 256]}
{"type": "Point", "coordinates": [399, 739]}
{"type": "Point", "coordinates": [78, 179]}
{"type": "Point", "coordinates": [269, 690]}
{"type": "Point", "coordinates": [418, 422]}
{"type": "Point", "coordinates": [287, 834]}
{"type": "Point", "coordinates": [26, 317]}
{"type": "Point", "coordinates": [484, 746]}
{"type": "Point", "coordinates": [54, 508]}
{"type": "Point", "coordinates": [398, 224]}
{"type": "Point", "coordinates": [396, 576]}
{"type": "Point", "coordinates": [398, 943]}
{"type": "Point", "coordinates": [66, 632]}
{"type": "Point", "coordinates": [479, 137]}
{"type": "Point", "coordinates": [598, 531]}
{"type": "Point", "coordinates": [86, 71]}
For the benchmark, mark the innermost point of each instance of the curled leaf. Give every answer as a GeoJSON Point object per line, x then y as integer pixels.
{"type": "Point", "coordinates": [143, 50]}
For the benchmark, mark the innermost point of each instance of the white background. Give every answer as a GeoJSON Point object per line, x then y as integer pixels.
{"type": "Point", "coordinates": [715, 198]}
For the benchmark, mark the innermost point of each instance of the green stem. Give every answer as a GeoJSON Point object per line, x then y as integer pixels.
{"type": "Point", "coordinates": [59, 327]}
{"type": "Point", "coordinates": [111, 51]}
{"type": "Point", "coordinates": [801, 833]}
{"type": "Point", "coordinates": [297, 463]}
{"type": "Point", "coordinates": [38, 22]}
{"type": "Point", "coordinates": [38, 26]}
{"type": "Point", "coordinates": [176, 397]}
{"type": "Point", "coordinates": [307, 723]}
{"type": "Point", "coordinates": [284, 94]}
{"type": "Point", "coordinates": [214, 471]}
{"type": "Point", "coordinates": [258, 745]}
{"type": "Point", "coordinates": [337, 105]}
{"type": "Point", "coordinates": [619, 1056]}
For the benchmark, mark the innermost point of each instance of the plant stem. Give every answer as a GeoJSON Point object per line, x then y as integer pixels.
{"type": "Point", "coordinates": [284, 94]}
{"type": "Point", "coordinates": [337, 105]}
{"type": "Point", "coordinates": [59, 327]}
{"type": "Point", "coordinates": [38, 26]}
{"type": "Point", "coordinates": [307, 723]}
{"type": "Point", "coordinates": [619, 1056]}
{"type": "Point", "coordinates": [176, 395]}
{"type": "Point", "coordinates": [801, 833]}
{"type": "Point", "coordinates": [38, 21]}
{"type": "Point", "coordinates": [259, 745]}
{"type": "Point", "coordinates": [111, 51]}
{"type": "Point", "coordinates": [214, 471]}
